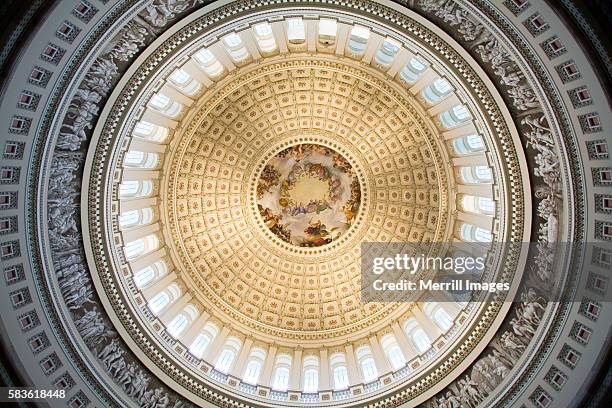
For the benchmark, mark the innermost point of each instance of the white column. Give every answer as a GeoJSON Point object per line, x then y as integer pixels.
{"type": "Point", "coordinates": [478, 220]}
{"type": "Point", "coordinates": [403, 342]}
{"type": "Point", "coordinates": [432, 331]}
{"type": "Point", "coordinates": [354, 373]}
{"type": "Point", "coordinates": [480, 190]}
{"type": "Point", "coordinates": [444, 104]}
{"type": "Point", "coordinates": [214, 348]}
{"type": "Point", "coordinates": [279, 36]}
{"type": "Point", "coordinates": [192, 68]}
{"type": "Point", "coordinates": [324, 374]}
{"type": "Point", "coordinates": [400, 61]}
{"type": "Point", "coordinates": [240, 364]}
{"type": "Point", "coordinates": [374, 43]}
{"type": "Point", "coordinates": [426, 78]}
{"type": "Point", "coordinates": [192, 332]}
{"type": "Point", "coordinates": [158, 286]}
{"type": "Point", "coordinates": [382, 364]}
{"type": "Point", "coordinates": [147, 146]}
{"type": "Point", "coordinates": [295, 376]}
{"type": "Point", "coordinates": [174, 309]}
{"type": "Point", "coordinates": [248, 39]}
{"type": "Point", "coordinates": [266, 373]}
{"type": "Point", "coordinates": [139, 204]}
{"type": "Point", "coordinates": [459, 131]}
{"type": "Point", "coordinates": [156, 118]}
{"type": "Point", "coordinates": [136, 233]}
{"type": "Point", "coordinates": [147, 260]}
{"type": "Point", "coordinates": [344, 31]}
{"type": "Point", "coordinates": [136, 175]}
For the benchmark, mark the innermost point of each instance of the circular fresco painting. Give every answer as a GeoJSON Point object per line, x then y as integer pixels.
{"type": "Point", "coordinates": [308, 195]}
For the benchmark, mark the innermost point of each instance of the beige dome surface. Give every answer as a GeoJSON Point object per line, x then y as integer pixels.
{"type": "Point", "coordinates": [233, 259]}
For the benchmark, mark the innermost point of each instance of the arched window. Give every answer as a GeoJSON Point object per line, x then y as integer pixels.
{"type": "Point", "coordinates": [437, 90]}
{"type": "Point", "coordinates": [132, 218]}
{"type": "Point", "coordinates": [135, 188]}
{"type": "Point", "coordinates": [421, 341]}
{"type": "Point", "coordinates": [358, 40]}
{"type": "Point", "coordinates": [472, 233]}
{"type": "Point", "coordinates": [265, 38]}
{"type": "Point", "coordinates": [419, 338]}
{"type": "Point", "coordinates": [144, 276]}
{"type": "Point", "coordinates": [235, 47]}
{"type": "Point", "coordinates": [455, 116]}
{"type": "Point", "coordinates": [150, 273]}
{"type": "Point", "coordinates": [337, 365]}
{"type": "Point", "coordinates": [209, 332]}
{"type": "Point", "coordinates": [254, 366]}
{"type": "Point", "coordinates": [366, 362]}
{"type": "Point", "coordinates": [228, 354]}
{"type": "Point", "coordinates": [134, 158]}
{"type": "Point", "coordinates": [209, 63]}
{"type": "Point", "coordinates": [476, 174]}
{"type": "Point", "coordinates": [468, 144]}
{"type": "Point", "coordinates": [392, 351]}
{"type": "Point", "coordinates": [311, 374]}
{"type": "Point", "coordinates": [413, 70]}
{"type": "Point", "coordinates": [387, 52]}
{"type": "Point", "coordinates": [485, 205]}
{"type": "Point", "coordinates": [281, 372]}
{"type": "Point", "coordinates": [160, 101]}
{"type": "Point", "coordinates": [141, 246]}
{"type": "Point", "coordinates": [178, 325]}
{"type": "Point", "coordinates": [148, 131]}
{"type": "Point", "coordinates": [159, 302]}
{"type": "Point", "coordinates": [165, 105]}
{"type": "Point", "coordinates": [183, 81]}
{"type": "Point", "coordinates": [296, 31]}
{"type": "Point", "coordinates": [328, 30]}
{"type": "Point", "coordinates": [442, 319]}
{"type": "Point", "coordinates": [476, 205]}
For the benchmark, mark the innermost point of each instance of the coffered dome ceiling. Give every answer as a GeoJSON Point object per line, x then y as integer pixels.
{"type": "Point", "coordinates": [198, 210]}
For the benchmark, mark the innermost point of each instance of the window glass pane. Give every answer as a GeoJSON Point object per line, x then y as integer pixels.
{"type": "Point", "coordinates": [159, 302]}
{"type": "Point", "coordinates": [475, 142]}
{"type": "Point", "coordinates": [134, 248]}
{"type": "Point", "coordinates": [443, 320]}
{"type": "Point", "coordinates": [442, 86]}
{"type": "Point", "coordinates": [311, 380]}
{"type": "Point", "coordinates": [281, 379]}
{"type": "Point", "coordinates": [482, 235]}
{"type": "Point", "coordinates": [199, 345]}
{"type": "Point", "coordinates": [225, 361]}
{"type": "Point", "coordinates": [129, 218]}
{"type": "Point", "coordinates": [251, 374]}
{"type": "Point", "coordinates": [129, 188]}
{"type": "Point", "coordinates": [159, 101]}
{"type": "Point", "coordinates": [417, 64]}
{"type": "Point", "coordinates": [133, 158]}
{"type": "Point", "coordinates": [368, 369]}
{"type": "Point", "coordinates": [263, 30]}
{"type": "Point", "coordinates": [486, 204]}
{"type": "Point", "coordinates": [144, 276]}
{"type": "Point", "coordinates": [461, 112]}
{"type": "Point", "coordinates": [233, 40]}
{"type": "Point", "coordinates": [340, 378]}
{"type": "Point", "coordinates": [177, 325]}
{"type": "Point", "coordinates": [396, 357]}
{"type": "Point", "coordinates": [421, 341]}
{"type": "Point", "coordinates": [327, 27]}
